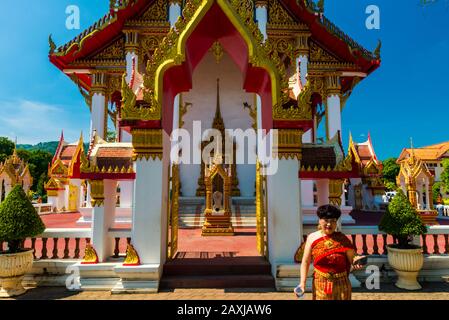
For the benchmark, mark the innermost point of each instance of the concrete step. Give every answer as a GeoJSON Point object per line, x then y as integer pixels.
{"type": "Point", "coordinates": [217, 266]}
{"type": "Point", "coordinates": [218, 282]}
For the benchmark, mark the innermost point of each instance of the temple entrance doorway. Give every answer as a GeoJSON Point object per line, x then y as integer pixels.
{"type": "Point", "coordinates": [217, 235]}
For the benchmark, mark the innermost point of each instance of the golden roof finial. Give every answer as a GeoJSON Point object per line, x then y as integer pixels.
{"type": "Point", "coordinates": [412, 156]}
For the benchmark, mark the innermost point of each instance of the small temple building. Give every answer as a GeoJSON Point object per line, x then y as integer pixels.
{"type": "Point", "coordinates": [431, 156]}
{"type": "Point", "coordinates": [416, 181]}
{"type": "Point", "coordinates": [365, 192]}
{"type": "Point", "coordinates": [153, 67]}
{"type": "Point", "coordinates": [14, 171]}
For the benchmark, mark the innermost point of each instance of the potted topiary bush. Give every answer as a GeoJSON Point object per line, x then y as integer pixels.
{"type": "Point", "coordinates": [402, 221]}
{"type": "Point", "coordinates": [18, 221]}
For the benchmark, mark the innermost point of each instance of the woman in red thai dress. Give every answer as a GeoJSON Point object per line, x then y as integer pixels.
{"type": "Point", "coordinates": [333, 258]}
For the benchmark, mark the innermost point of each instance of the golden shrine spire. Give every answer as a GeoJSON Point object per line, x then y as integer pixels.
{"type": "Point", "coordinates": [218, 122]}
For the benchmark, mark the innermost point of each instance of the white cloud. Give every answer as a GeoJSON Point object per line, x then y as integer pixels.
{"type": "Point", "coordinates": [33, 122]}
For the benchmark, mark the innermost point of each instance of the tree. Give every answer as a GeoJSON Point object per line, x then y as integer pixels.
{"type": "Point", "coordinates": [18, 219]}
{"type": "Point", "coordinates": [38, 162]}
{"type": "Point", "coordinates": [390, 170]}
{"type": "Point", "coordinates": [438, 189]}
{"type": "Point", "coordinates": [6, 148]}
{"type": "Point", "coordinates": [402, 221]}
{"type": "Point", "coordinates": [445, 174]}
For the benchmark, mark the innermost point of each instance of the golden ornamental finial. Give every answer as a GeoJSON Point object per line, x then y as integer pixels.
{"type": "Point", "coordinates": [51, 44]}
{"type": "Point", "coordinates": [90, 255]}
{"type": "Point", "coordinates": [132, 258]}
{"type": "Point", "coordinates": [377, 50]}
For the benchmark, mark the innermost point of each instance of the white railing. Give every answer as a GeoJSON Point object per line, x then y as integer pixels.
{"type": "Point", "coordinates": [43, 208]}
{"type": "Point", "coordinates": [369, 240]}
{"type": "Point", "coordinates": [69, 243]}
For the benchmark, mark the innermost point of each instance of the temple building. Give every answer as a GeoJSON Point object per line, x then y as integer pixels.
{"type": "Point", "coordinates": [14, 171]}
{"type": "Point", "coordinates": [165, 72]}
{"type": "Point", "coordinates": [365, 192]}
{"type": "Point", "coordinates": [431, 156]}
{"type": "Point", "coordinates": [416, 181]}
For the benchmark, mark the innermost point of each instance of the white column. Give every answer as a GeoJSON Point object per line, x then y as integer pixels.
{"type": "Point", "coordinates": [429, 197]}
{"type": "Point", "coordinates": [98, 115]}
{"type": "Point", "coordinates": [149, 222]}
{"type": "Point", "coordinates": [333, 116]}
{"type": "Point", "coordinates": [174, 12]}
{"type": "Point", "coordinates": [303, 68]}
{"type": "Point", "coordinates": [132, 60]}
{"type": "Point", "coordinates": [307, 185]}
{"type": "Point", "coordinates": [126, 194]}
{"type": "Point", "coordinates": [103, 220]}
{"type": "Point", "coordinates": [284, 214]}
{"type": "Point", "coordinates": [322, 186]}
{"type": "Point", "coordinates": [262, 18]}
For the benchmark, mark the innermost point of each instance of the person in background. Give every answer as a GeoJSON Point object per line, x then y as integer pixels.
{"type": "Point", "coordinates": [333, 256]}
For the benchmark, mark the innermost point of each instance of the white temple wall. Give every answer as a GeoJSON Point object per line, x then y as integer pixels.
{"type": "Point", "coordinates": [203, 98]}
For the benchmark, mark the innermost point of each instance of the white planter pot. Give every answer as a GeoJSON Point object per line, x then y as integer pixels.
{"type": "Point", "coordinates": [407, 263]}
{"type": "Point", "coordinates": [13, 267]}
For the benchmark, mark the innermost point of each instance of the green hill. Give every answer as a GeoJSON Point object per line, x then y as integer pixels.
{"type": "Point", "coordinates": [43, 146]}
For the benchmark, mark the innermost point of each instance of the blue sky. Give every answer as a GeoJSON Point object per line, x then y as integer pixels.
{"type": "Point", "coordinates": [408, 96]}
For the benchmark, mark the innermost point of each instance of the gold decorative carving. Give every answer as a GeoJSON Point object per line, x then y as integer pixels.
{"type": "Point", "coordinates": [333, 86]}
{"type": "Point", "coordinates": [98, 82]}
{"type": "Point", "coordinates": [335, 191]}
{"type": "Point", "coordinates": [183, 109]}
{"type": "Point", "coordinates": [132, 257]}
{"type": "Point", "coordinates": [218, 51]}
{"type": "Point", "coordinates": [149, 43]}
{"type": "Point", "coordinates": [260, 210]}
{"type": "Point", "coordinates": [279, 18]}
{"type": "Point", "coordinates": [131, 40]}
{"type": "Point", "coordinates": [147, 143]}
{"type": "Point", "coordinates": [157, 12]}
{"type": "Point", "coordinates": [90, 255]}
{"type": "Point", "coordinates": [130, 111]}
{"type": "Point", "coordinates": [318, 54]}
{"type": "Point", "coordinates": [97, 192]}
{"type": "Point", "coordinates": [174, 212]}
{"type": "Point", "coordinates": [115, 51]}
{"type": "Point", "coordinates": [289, 144]}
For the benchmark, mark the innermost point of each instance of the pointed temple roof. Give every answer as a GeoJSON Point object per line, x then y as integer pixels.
{"type": "Point", "coordinates": [15, 168]}
{"type": "Point", "coordinates": [434, 152]}
{"type": "Point", "coordinates": [110, 27]}
{"type": "Point", "coordinates": [364, 151]}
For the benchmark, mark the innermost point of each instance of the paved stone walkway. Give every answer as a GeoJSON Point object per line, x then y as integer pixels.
{"type": "Point", "coordinates": [430, 291]}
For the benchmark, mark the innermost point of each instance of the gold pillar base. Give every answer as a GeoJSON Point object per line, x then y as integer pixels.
{"type": "Point", "coordinates": [217, 226]}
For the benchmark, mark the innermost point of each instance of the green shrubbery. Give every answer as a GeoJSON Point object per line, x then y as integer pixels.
{"type": "Point", "coordinates": [18, 219]}
{"type": "Point", "coordinates": [402, 221]}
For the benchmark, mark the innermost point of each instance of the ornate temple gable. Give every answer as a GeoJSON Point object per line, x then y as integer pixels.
{"type": "Point", "coordinates": [158, 11]}
{"type": "Point", "coordinates": [322, 60]}
{"type": "Point", "coordinates": [280, 21]}
{"type": "Point", "coordinates": [113, 51]}
{"type": "Point", "coordinates": [319, 54]}
{"type": "Point", "coordinates": [154, 17]}
{"type": "Point", "coordinates": [58, 169]}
